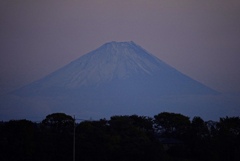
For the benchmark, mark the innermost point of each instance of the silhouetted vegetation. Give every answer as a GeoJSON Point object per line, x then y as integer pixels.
{"type": "Point", "coordinates": [166, 137]}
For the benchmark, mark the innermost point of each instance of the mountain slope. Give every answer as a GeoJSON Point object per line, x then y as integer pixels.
{"type": "Point", "coordinates": [116, 68]}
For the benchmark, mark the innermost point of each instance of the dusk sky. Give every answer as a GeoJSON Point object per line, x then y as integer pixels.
{"type": "Point", "coordinates": [200, 38]}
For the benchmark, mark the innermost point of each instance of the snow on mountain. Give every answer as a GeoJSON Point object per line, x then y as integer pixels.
{"type": "Point", "coordinates": [122, 64]}
{"type": "Point", "coordinates": [111, 61]}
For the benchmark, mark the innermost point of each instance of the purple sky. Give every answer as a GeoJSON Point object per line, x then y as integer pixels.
{"type": "Point", "coordinates": [200, 38]}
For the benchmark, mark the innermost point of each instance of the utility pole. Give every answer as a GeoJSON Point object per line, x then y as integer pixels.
{"type": "Point", "coordinates": [74, 128]}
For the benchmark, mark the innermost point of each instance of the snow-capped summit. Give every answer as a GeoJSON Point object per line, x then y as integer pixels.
{"type": "Point", "coordinates": [114, 60]}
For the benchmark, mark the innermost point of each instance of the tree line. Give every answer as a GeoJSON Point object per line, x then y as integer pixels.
{"type": "Point", "coordinates": [165, 137]}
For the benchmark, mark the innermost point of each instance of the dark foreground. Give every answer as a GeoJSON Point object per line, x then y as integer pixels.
{"type": "Point", "coordinates": [166, 137]}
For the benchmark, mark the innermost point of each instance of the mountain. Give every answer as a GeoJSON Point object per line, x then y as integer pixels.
{"type": "Point", "coordinates": [118, 78]}
{"type": "Point", "coordinates": [116, 67]}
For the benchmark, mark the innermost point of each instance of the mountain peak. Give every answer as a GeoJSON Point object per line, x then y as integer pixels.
{"type": "Point", "coordinates": [120, 43]}
{"type": "Point", "coordinates": [125, 45]}
{"type": "Point", "coordinates": [115, 60]}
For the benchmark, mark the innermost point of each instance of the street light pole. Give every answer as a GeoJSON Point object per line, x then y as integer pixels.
{"type": "Point", "coordinates": [74, 128]}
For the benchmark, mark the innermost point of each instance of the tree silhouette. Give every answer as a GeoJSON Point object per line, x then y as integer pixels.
{"type": "Point", "coordinates": [59, 122]}
{"type": "Point", "coordinates": [171, 124]}
{"type": "Point", "coordinates": [228, 138]}
{"type": "Point", "coordinates": [56, 137]}
{"type": "Point", "coordinates": [122, 138]}
{"type": "Point", "coordinates": [20, 140]}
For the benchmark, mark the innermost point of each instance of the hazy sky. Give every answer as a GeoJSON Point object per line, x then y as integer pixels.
{"type": "Point", "coordinates": [200, 38]}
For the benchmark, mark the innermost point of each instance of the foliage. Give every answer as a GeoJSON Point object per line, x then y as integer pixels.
{"type": "Point", "coordinates": [58, 122]}
{"type": "Point", "coordinates": [120, 138]}
{"type": "Point", "coordinates": [172, 124]}
{"type": "Point", "coordinates": [18, 139]}
{"type": "Point", "coordinates": [169, 136]}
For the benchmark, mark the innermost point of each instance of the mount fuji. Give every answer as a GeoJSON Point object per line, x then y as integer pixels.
{"type": "Point", "coordinates": [118, 78]}
{"type": "Point", "coordinates": [121, 69]}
